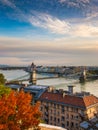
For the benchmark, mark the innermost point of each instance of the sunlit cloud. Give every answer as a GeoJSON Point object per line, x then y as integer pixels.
{"type": "Point", "coordinates": [75, 41]}
{"type": "Point", "coordinates": [58, 26]}
{"type": "Point", "coordinates": [84, 30]}
{"type": "Point", "coordinates": [51, 23]}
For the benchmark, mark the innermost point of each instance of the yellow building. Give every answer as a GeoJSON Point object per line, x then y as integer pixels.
{"type": "Point", "coordinates": [67, 110]}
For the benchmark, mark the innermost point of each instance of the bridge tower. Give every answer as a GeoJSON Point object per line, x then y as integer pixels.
{"type": "Point", "coordinates": [83, 76]}
{"type": "Point", "coordinates": [33, 74]}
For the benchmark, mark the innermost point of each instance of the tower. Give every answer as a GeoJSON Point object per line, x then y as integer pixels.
{"type": "Point", "coordinates": [83, 76]}
{"type": "Point", "coordinates": [33, 74]}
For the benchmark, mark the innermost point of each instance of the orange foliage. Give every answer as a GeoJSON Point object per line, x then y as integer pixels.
{"type": "Point", "coordinates": [17, 113]}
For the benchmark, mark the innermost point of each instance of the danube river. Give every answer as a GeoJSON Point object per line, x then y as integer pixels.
{"type": "Point", "coordinates": [58, 83]}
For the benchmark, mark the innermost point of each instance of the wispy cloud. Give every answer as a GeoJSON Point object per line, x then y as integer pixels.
{"type": "Point", "coordinates": [51, 23]}
{"type": "Point", "coordinates": [55, 25]}
{"type": "Point", "coordinates": [65, 27]}
{"type": "Point", "coordinates": [74, 2]}
{"type": "Point", "coordinates": [8, 3]}
{"type": "Point", "coordinates": [92, 16]}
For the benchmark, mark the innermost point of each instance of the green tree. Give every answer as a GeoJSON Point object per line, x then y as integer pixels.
{"type": "Point", "coordinates": [2, 79]}
{"type": "Point", "coordinates": [4, 90]}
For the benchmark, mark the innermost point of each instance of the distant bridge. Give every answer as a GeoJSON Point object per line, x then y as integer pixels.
{"type": "Point", "coordinates": [12, 67]}
{"type": "Point", "coordinates": [27, 78]}
{"type": "Point", "coordinates": [55, 75]}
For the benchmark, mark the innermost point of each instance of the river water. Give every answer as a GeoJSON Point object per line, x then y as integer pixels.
{"type": "Point", "coordinates": [58, 83]}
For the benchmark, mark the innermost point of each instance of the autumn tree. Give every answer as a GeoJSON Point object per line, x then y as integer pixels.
{"type": "Point", "coordinates": [17, 113]}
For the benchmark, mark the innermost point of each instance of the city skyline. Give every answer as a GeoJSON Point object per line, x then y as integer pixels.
{"type": "Point", "coordinates": [49, 32]}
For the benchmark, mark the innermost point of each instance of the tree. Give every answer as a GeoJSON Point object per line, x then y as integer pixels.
{"type": "Point", "coordinates": [17, 113]}
{"type": "Point", "coordinates": [2, 79]}
{"type": "Point", "coordinates": [4, 90]}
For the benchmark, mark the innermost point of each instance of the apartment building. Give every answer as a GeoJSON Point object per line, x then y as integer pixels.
{"type": "Point", "coordinates": [66, 109]}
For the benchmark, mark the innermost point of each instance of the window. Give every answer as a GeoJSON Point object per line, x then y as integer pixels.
{"type": "Point", "coordinates": [77, 125]}
{"type": "Point", "coordinates": [72, 116]}
{"type": "Point", "coordinates": [67, 116]}
{"type": "Point", "coordinates": [58, 120]}
{"type": "Point", "coordinates": [67, 108]}
{"type": "Point", "coordinates": [62, 118]}
{"type": "Point", "coordinates": [54, 118]}
{"type": "Point", "coordinates": [71, 108]}
{"type": "Point", "coordinates": [63, 125]}
{"type": "Point", "coordinates": [54, 113]}
{"type": "Point", "coordinates": [76, 109]}
{"type": "Point", "coordinates": [57, 106]}
{"type": "Point", "coordinates": [62, 109]}
{"type": "Point", "coordinates": [51, 118]}
{"type": "Point", "coordinates": [54, 105]}
{"type": "Point", "coordinates": [72, 124]}
{"type": "Point", "coordinates": [67, 123]}
{"type": "Point", "coordinates": [58, 113]}
{"type": "Point", "coordinates": [51, 111]}
{"type": "Point", "coordinates": [76, 117]}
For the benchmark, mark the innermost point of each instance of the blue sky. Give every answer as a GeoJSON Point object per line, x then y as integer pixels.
{"type": "Point", "coordinates": [49, 32]}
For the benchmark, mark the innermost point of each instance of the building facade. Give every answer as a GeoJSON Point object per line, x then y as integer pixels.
{"type": "Point", "coordinates": [67, 110]}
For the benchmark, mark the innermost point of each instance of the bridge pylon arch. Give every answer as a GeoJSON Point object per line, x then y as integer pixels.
{"type": "Point", "coordinates": [33, 79]}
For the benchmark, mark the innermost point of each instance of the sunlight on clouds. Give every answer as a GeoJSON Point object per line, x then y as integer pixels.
{"type": "Point", "coordinates": [85, 30]}
{"type": "Point", "coordinates": [64, 27]}
{"type": "Point", "coordinates": [74, 42]}
{"type": "Point", "coordinates": [55, 25]}
{"type": "Point", "coordinates": [51, 23]}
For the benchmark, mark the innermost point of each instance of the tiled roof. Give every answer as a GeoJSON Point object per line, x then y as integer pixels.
{"type": "Point", "coordinates": [84, 102]}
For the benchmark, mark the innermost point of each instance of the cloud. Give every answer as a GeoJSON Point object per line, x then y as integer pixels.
{"type": "Point", "coordinates": [74, 1]}
{"type": "Point", "coordinates": [92, 16]}
{"type": "Point", "coordinates": [65, 27]}
{"type": "Point", "coordinates": [62, 1]}
{"type": "Point", "coordinates": [85, 30]}
{"type": "Point", "coordinates": [55, 25]}
{"type": "Point", "coordinates": [60, 52]}
{"type": "Point", "coordinates": [49, 22]}
{"type": "Point", "coordinates": [8, 3]}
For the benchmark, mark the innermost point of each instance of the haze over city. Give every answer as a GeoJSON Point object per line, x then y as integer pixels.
{"type": "Point", "coordinates": [49, 32]}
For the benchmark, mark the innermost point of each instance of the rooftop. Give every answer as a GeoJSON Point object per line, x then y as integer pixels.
{"type": "Point", "coordinates": [50, 127]}
{"type": "Point", "coordinates": [37, 87]}
{"type": "Point", "coordinates": [90, 124]}
{"type": "Point", "coordinates": [83, 101]}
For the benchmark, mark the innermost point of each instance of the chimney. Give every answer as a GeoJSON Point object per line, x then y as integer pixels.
{"type": "Point", "coordinates": [61, 90]}
{"type": "Point", "coordinates": [64, 94]}
{"type": "Point", "coordinates": [70, 89]}
{"type": "Point", "coordinates": [50, 89]}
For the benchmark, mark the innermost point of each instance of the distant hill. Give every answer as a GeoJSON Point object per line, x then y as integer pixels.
{"type": "Point", "coordinates": [3, 66]}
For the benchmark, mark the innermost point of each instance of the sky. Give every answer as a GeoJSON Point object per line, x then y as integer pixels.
{"type": "Point", "coordinates": [49, 32]}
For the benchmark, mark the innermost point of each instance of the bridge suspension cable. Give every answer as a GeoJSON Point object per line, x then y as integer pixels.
{"type": "Point", "coordinates": [20, 78]}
